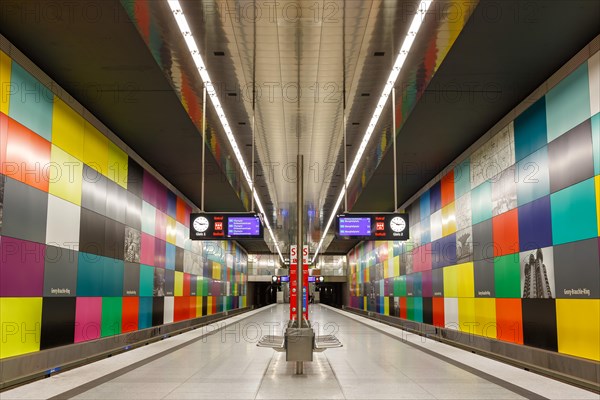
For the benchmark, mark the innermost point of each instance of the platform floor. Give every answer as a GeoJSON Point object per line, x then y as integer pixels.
{"type": "Point", "coordinates": [222, 362]}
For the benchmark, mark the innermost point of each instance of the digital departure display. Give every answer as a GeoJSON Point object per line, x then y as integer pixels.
{"type": "Point", "coordinates": [219, 226]}
{"type": "Point", "coordinates": [243, 226]}
{"type": "Point", "coordinates": [354, 226]}
{"type": "Point", "coordinates": [383, 226]}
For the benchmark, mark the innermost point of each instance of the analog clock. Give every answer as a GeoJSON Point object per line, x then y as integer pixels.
{"type": "Point", "coordinates": [201, 224]}
{"type": "Point", "coordinates": [398, 224]}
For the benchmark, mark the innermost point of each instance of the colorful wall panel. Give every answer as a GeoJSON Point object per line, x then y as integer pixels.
{"type": "Point", "coordinates": [91, 244]}
{"type": "Point", "coordinates": [507, 244]}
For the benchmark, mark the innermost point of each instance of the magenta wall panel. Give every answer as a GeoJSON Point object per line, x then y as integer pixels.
{"type": "Point", "coordinates": [150, 188]}
{"type": "Point", "coordinates": [160, 253]}
{"type": "Point", "coordinates": [21, 268]}
{"type": "Point", "coordinates": [88, 318]}
{"type": "Point", "coordinates": [427, 283]}
{"type": "Point", "coordinates": [147, 252]}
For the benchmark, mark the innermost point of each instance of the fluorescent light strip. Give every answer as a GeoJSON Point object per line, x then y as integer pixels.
{"type": "Point", "coordinates": [402, 55]}
{"type": "Point", "coordinates": [199, 62]}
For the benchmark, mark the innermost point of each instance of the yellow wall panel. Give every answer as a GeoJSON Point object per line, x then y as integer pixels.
{"type": "Point", "coordinates": [578, 326]}
{"type": "Point", "coordinates": [243, 301]}
{"type": "Point", "coordinates": [209, 301]}
{"type": "Point", "coordinates": [448, 219]}
{"type": "Point", "coordinates": [466, 280]}
{"type": "Point", "coordinates": [459, 280]}
{"type": "Point", "coordinates": [216, 272]}
{"type": "Point", "coordinates": [485, 313]}
{"type": "Point", "coordinates": [365, 302]}
{"type": "Point", "coordinates": [386, 272]}
{"type": "Point", "coordinates": [451, 281]}
{"type": "Point", "coordinates": [117, 165]}
{"type": "Point", "coordinates": [466, 315]}
{"type": "Point", "coordinates": [5, 68]}
{"type": "Point", "coordinates": [67, 128]}
{"type": "Point", "coordinates": [178, 283]}
{"type": "Point", "coordinates": [386, 305]}
{"type": "Point", "coordinates": [21, 321]}
{"type": "Point", "coordinates": [95, 149]}
{"type": "Point", "coordinates": [65, 176]}
{"type": "Point", "coordinates": [397, 266]}
{"type": "Point", "coordinates": [171, 230]}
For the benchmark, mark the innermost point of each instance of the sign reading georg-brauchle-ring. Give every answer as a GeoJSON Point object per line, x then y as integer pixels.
{"type": "Point", "coordinates": [222, 226]}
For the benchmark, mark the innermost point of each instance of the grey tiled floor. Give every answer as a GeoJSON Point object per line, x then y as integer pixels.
{"type": "Point", "coordinates": [228, 365]}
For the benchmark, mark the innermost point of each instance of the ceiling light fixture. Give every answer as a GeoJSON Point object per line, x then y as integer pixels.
{"type": "Point", "coordinates": [210, 89]}
{"type": "Point", "coordinates": [402, 55]}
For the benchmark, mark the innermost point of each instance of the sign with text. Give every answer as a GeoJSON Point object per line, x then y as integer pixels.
{"type": "Point", "coordinates": [294, 281]}
{"type": "Point", "coordinates": [222, 226]}
{"type": "Point", "coordinates": [383, 226]}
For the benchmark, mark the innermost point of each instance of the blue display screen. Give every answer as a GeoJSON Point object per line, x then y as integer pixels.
{"type": "Point", "coordinates": [355, 226]}
{"type": "Point", "coordinates": [243, 226]}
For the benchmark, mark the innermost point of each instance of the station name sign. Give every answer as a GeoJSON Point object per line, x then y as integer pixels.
{"type": "Point", "coordinates": [382, 226]}
{"type": "Point", "coordinates": [223, 226]}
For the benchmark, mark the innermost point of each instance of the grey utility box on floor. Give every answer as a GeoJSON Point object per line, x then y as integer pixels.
{"type": "Point", "coordinates": [299, 344]}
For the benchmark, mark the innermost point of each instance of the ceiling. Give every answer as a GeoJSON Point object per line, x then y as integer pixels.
{"type": "Point", "coordinates": [314, 63]}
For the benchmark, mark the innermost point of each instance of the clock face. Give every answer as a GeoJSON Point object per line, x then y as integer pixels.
{"type": "Point", "coordinates": [200, 224]}
{"type": "Point", "coordinates": [397, 224]}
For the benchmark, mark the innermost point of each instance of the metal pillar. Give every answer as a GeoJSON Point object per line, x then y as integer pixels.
{"type": "Point", "coordinates": [394, 142]}
{"type": "Point", "coordinates": [203, 146]}
{"type": "Point", "coordinates": [299, 240]}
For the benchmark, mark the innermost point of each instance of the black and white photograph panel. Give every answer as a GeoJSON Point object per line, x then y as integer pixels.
{"type": "Point", "coordinates": [537, 274]}
{"type": "Point", "coordinates": [132, 245]}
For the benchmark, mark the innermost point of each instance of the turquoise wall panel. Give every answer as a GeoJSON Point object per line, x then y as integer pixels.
{"type": "Point", "coordinates": [31, 103]}
{"type": "Point", "coordinates": [425, 205]}
{"type": "Point", "coordinates": [462, 179]}
{"type": "Point", "coordinates": [481, 202]}
{"type": "Point", "coordinates": [530, 130]}
{"type": "Point", "coordinates": [112, 280]}
{"type": "Point", "coordinates": [574, 213]}
{"type": "Point", "coordinates": [568, 103]}
{"type": "Point", "coordinates": [90, 272]}
{"type": "Point", "coordinates": [145, 313]}
{"type": "Point", "coordinates": [146, 280]}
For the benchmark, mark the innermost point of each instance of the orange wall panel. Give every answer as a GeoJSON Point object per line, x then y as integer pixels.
{"type": "Point", "coordinates": [27, 156]}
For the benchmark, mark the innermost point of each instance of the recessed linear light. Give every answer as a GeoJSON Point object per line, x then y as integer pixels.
{"type": "Point", "coordinates": [219, 53]}
{"type": "Point", "coordinates": [186, 32]}
{"type": "Point", "coordinates": [248, 144]}
{"type": "Point", "coordinates": [356, 123]}
{"type": "Point", "coordinates": [379, 53]}
{"type": "Point", "coordinates": [232, 94]}
{"type": "Point", "coordinates": [409, 39]}
{"type": "Point", "coordinates": [365, 94]}
{"type": "Point", "coordinates": [241, 123]}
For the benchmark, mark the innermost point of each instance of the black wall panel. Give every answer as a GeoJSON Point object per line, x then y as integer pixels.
{"type": "Point", "coordinates": [58, 321]}
{"type": "Point", "coordinates": [539, 323]}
